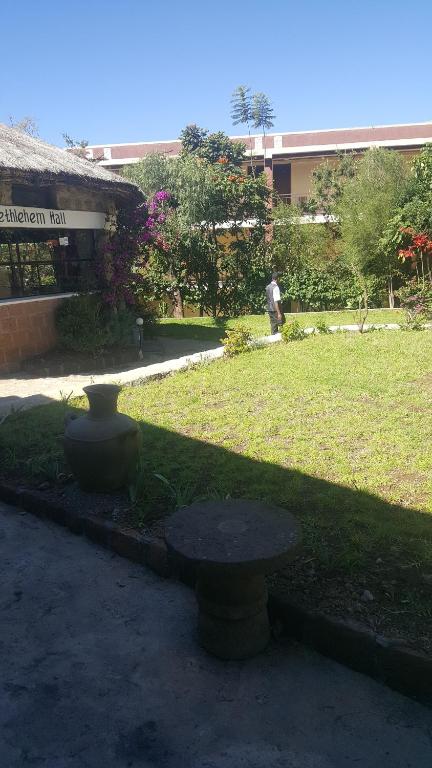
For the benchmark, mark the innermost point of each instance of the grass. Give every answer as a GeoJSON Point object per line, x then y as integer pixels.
{"type": "Point", "coordinates": [208, 328]}
{"type": "Point", "coordinates": [335, 428]}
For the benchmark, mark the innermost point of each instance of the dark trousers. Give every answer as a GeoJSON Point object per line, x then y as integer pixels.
{"type": "Point", "coordinates": [274, 324]}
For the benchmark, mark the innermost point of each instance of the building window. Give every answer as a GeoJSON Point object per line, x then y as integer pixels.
{"type": "Point", "coordinates": [33, 263]}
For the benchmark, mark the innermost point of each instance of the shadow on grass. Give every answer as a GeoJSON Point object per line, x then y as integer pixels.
{"type": "Point", "coordinates": [155, 349]}
{"type": "Point", "coordinates": [344, 526]}
{"type": "Point", "coordinates": [185, 330]}
{"type": "Point", "coordinates": [350, 535]}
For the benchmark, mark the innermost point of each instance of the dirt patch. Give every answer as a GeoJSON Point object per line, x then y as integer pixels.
{"type": "Point", "coordinates": [376, 599]}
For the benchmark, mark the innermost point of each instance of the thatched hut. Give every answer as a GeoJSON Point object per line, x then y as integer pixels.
{"type": "Point", "coordinates": [54, 209]}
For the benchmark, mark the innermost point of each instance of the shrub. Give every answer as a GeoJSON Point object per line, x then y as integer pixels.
{"type": "Point", "coordinates": [293, 331]}
{"type": "Point", "coordinates": [329, 287]}
{"type": "Point", "coordinates": [120, 327]}
{"type": "Point", "coordinates": [237, 341]}
{"type": "Point", "coordinates": [417, 302]}
{"type": "Point", "coordinates": [85, 324]}
{"type": "Point", "coordinates": [79, 323]}
{"type": "Point", "coordinates": [322, 327]}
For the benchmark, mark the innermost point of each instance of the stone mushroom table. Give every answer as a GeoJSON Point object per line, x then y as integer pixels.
{"type": "Point", "coordinates": [234, 544]}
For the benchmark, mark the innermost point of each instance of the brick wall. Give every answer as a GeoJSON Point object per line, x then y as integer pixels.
{"type": "Point", "coordinates": [27, 328]}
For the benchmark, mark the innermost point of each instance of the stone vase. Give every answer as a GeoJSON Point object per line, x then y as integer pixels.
{"type": "Point", "coordinates": [102, 446]}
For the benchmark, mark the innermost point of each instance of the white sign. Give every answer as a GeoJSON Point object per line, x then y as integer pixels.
{"type": "Point", "coordinates": [17, 216]}
{"type": "Point", "coordinates": [63, 241]}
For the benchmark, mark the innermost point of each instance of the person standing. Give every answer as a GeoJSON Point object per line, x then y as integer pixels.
{"type": "Point", "coordinates": [274, 305]}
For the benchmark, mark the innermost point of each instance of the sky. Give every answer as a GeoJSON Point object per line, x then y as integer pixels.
{"type": "Point", "coordinates": [131, 70]}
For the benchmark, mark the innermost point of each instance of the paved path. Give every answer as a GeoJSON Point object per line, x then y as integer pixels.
{"type": "Point", "coordinates": [99, 668]}
{"type": "Point", "coordinates": [161, 355]}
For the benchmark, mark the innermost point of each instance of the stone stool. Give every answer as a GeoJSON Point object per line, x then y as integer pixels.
{"type": "Point", "coordinates": [234, 544]}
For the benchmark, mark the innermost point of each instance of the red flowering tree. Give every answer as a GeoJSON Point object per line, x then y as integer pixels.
{"type": "Point", "coordinates": [417, 250]}
{"type": "Point", "coordinates": [416, 295]}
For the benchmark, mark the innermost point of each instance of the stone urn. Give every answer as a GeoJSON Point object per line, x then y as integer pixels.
{"type": "Point", "coordinates": [102, 446]}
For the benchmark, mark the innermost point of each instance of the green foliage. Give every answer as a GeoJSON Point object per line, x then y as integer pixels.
{"type": "Point", "coordinates": [262, 112]}
{"type": "Point", "coordinates": [322, 327]}
{"type": "Point", "coordinates": [84, 324]}
{"type": "Point", "coordinates": [211, 261]}
{"type": "Point", "coordinates": [237, 341]}
{"type": "Point", "coordinates": [328, 181]}
{"type": "Point", "coordinates": [213, 147]}
{"type": "Point", "coordinates": [422, 172]}
{"type": "Point", "coordinates": [79, 323]}
{"type": "Point", "coordinates": [288, 241]}
{"type": "Point", "coordinates": [153, 173]}
{"type": "Point", "coordinates": [192, 138]}
{"type": "Point", "coordinates": [251, 266]}
{"type": "Point", "coordinates": [368, 201]}
{"type": "Point", "coordinates": [414, 211]}
{"type": "Point", "coordinates": [328, 288]}
{"type": "Point", "coordinates": [416, 300]}
{"type": "Point", "coordinates": [292, 332]}
{"type": "Point", "coordinates": [314, 272]}
{"type": "Point", "coordinates": [241, 106]}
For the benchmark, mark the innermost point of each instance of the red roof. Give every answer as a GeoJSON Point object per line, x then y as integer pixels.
{"type": "Point", "coordinates": [299, 141]}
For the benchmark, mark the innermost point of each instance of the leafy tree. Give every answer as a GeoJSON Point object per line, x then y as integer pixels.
{"type": "Point", "coordinates": [309, 257]}
{"type": "Point", "coordinates": [367, 202]}
{"type": "Point", "coordinates": [422, 174]}
{"type": "Point", "coordinates": [328, 180]}
{"type": "Point", "coordinates": [209, 249]}
{"type": "Point", "coordinates": [213, 147]}
{"type": "Point", "coordinates": [415, 209]}
{"type": "Point", "coordinates": [192, 138]}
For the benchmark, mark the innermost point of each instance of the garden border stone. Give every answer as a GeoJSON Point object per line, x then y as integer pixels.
{"type": "Point", "coordinates": [345, 641]}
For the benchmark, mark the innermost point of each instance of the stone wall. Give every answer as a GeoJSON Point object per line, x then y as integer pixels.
{"type": "Point", "coordinates": [27, 328]}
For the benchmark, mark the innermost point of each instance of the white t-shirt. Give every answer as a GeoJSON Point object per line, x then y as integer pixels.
{"type": "Point", "coordinates": [276, 292]}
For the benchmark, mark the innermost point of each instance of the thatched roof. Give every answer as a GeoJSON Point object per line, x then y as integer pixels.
{"type": "Point", "coordinates": [23, 156]}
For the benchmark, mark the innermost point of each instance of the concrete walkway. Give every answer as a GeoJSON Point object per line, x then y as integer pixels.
{"type": "Point", "coordinates": [161, 355]}
{"type": "Point", "coordinates": [99, 668]}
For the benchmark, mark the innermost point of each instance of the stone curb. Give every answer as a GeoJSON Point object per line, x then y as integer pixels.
{"type": "Point", "coordinates": [347, 642]}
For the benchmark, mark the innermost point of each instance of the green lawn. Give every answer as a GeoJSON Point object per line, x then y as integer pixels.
{"type": "Point", "coordinates": [208, 328]}
{"type": "Point", "coordinates": [337, 429]}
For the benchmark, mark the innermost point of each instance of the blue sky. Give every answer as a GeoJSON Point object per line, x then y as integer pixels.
{"type": "Point", "coordinates": [135, 70]}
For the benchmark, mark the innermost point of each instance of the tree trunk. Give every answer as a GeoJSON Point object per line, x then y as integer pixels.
{"type": "Point", "coordinates": [391, 293]}
{"type": "Point", "coordinates": [364, 313]}
{"type": "Point", "coordinates": [251, 153]}
{"type": "Point", "coordinates": [178, 311]}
